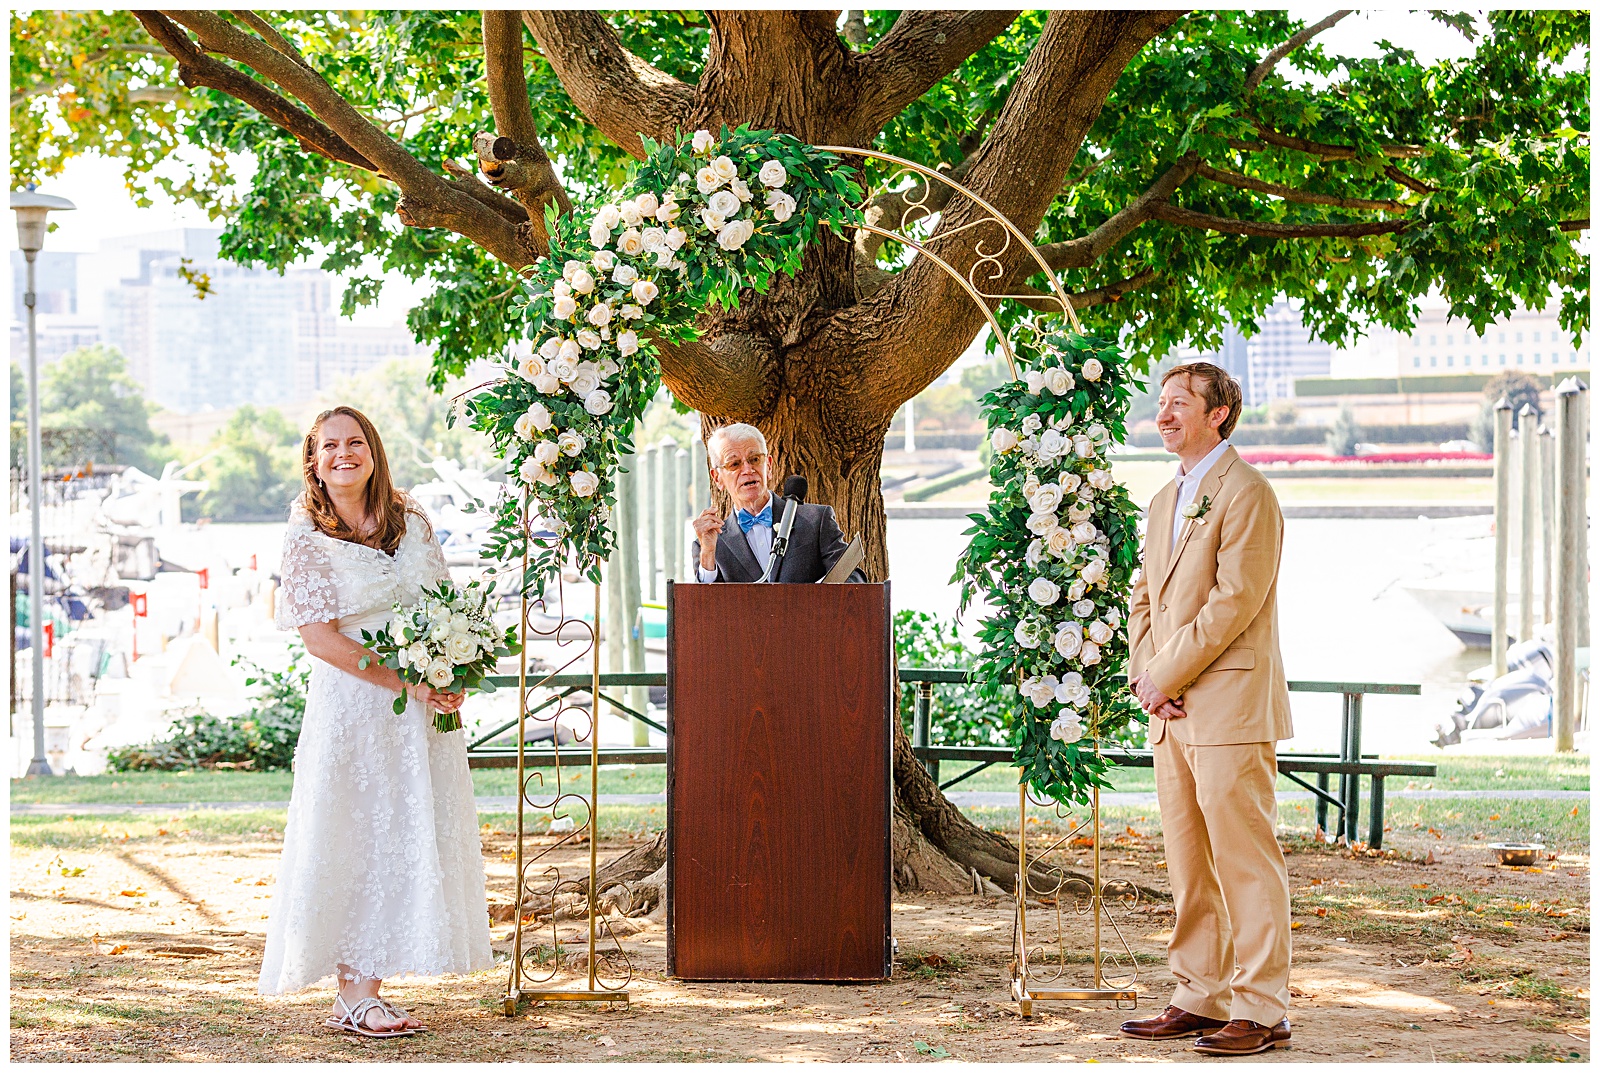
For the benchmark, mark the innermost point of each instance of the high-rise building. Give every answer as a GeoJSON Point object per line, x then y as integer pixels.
{"type": "Point", "coordinates": [1530, 340]}
{"type": "Point", "coordinates": [1282, 352]}
{"type": "Point", "coordinates": [62, 323]}
{"type": "Point", "coordinates": [202, 334]}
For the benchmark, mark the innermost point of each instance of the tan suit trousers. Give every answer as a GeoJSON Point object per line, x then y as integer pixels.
{"type": "Point", "coordinates": [1219, 815]}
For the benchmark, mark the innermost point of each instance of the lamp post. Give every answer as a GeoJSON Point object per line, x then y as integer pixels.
{"type": "Point", "coordinates": [31, 209]}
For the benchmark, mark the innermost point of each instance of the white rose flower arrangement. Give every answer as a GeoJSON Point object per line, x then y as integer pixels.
{"type": "Point", "coordinates": [447, 639]}
{"type": "Point", "coordinates": [1054, 557]}
{"type": "Point", "coordinates": [701, 220]}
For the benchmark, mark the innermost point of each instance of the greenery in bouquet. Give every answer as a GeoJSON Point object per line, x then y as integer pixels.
{"type": "Point", "coordinates": [1054, 557]}
{"type": "Point", "coordinates": [702, 219]}
{"type": "Point", "coordinates": [447, 640]}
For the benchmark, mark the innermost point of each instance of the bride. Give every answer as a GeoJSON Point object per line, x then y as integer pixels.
{"type": "Point", "coordinates": [382, 870]}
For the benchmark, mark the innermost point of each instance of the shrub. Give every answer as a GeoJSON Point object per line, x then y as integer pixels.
{"type": "Point", "coordinates": [1343, 434]}
{"type": "Point", "coordinates": [263, 739]}
{"type": "Point", "coordinates": [959, 716]}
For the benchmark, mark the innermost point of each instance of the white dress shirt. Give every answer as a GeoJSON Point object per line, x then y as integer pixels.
{"type": "Point", "coordinates": [1189, 484]}
{"type": "Point", "coordinates": [760, 540]}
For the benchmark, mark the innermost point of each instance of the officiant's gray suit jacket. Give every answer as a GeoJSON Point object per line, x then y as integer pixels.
{"type": "Point", "coordinates": [815, 544]}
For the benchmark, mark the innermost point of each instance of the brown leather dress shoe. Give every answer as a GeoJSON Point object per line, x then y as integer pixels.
{"type": "Point", "coordinates": [1171, 1023]}
{"type": "Point", "coordinates": [1243, 1037]}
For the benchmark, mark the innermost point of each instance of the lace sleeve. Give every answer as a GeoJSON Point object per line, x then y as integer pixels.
{"type": "Point", "coordinates": [308, 593]}
{"type": "Point", "coordinates": [434, 568]}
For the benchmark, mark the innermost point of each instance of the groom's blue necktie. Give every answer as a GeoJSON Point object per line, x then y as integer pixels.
{"type": "Point", "coordinates": [748, 521]}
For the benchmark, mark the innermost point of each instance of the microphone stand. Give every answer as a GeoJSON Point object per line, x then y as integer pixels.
{"type": "Point", "coordinates": [780, 540]}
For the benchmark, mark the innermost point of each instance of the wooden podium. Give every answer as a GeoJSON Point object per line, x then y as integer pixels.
{"type": "Point", "coordinates": [778, 782]}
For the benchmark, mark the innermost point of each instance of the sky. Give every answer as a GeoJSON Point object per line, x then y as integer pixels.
{"type": "Point", "coordinates": [105, 210]}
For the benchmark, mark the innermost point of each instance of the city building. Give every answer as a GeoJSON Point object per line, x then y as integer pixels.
{"type": "Point", "coordinates": [1268, 363]}
{"type": "Point", "coordinates": [1530, 340]}
{"type": "Point", "coordinates": [201, 333]}
{"type": "Point", "coordinates": [62, 323]}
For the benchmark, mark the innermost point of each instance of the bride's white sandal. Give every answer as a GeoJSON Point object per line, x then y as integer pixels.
{"type": "Point", "coordinates": [353, 1018]}
{"type": "Point", "coordinates": [395, 1011]}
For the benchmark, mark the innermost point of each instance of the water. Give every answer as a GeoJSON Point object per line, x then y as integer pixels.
{"type": "Point", "coordinates": [1342, 615]}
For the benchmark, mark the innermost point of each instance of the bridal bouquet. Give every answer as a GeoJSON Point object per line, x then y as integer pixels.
{"type": "Point", "coordinates": [447, 639]}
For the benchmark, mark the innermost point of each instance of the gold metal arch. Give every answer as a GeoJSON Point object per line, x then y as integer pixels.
{"type": "Point", "coordinates": [1051, 955]}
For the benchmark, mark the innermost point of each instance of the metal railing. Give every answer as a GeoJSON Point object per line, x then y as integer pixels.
{"type": "Point", "coordinates": [1349, 764]}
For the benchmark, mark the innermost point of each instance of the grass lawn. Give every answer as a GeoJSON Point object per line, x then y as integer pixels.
{"type": "Point", "coordinates": [182, 787]}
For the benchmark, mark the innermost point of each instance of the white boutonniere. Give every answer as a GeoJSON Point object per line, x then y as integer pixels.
{"type": "Point", "coordinates": [1198, 511]}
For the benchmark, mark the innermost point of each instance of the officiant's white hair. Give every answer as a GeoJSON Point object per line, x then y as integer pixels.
{"type": "Point", "coordinates": [738, 432]}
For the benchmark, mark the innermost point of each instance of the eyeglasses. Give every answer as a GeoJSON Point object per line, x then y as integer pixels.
{"type": "Point", "coordinates": [734, 465]}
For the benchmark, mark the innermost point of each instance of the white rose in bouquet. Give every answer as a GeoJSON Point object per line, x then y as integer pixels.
{"type": "Point", "coordinates": [1067, 728]}
{"type": "Point", "coordinates": [550, 347]}
{"type": "Point", "coordinates": [1030, 486]}
{"type": "Point", "coordinates": [547, 452]}
{"type": "Point", "coordinates": [461, 648]}
{"type": "Point", "coordinates": [781, 205]}
{"type": "Point", "coordinates": [647, 203]}
{"type": "Point", "coordinates": [538, 416]}
{"type": "Point", "coordinates": [564, 307]}
{"type": "Point", "coordinates": [1085, 532]}
{"type": "Point", "coordinates": [1092, 369]}
{"type": "Point", "coordinates": [529, 366]}
{"type": "Point", "coordinates": [1072, 690]}
{"type": "Point", "coordinates": [1035, 381]}
{"type": "Point", "coordinates": [1090, 655]}
{"type": "Point", "coordinates": [1041, 691]}
{"type": "Point", "coordinates": [741, 189]}
{"type": "Point", "coordinates": [569, 352]}
{"type": "Point", "coordinates": [773, 174]}
{"type": "Point", "coordinates": [1052, 445]}
{"type": "Point", "coordinates": [533, 473]}
{"type": "Point", "coordinates": [1083, 446]}
{"type": "Point", "coordinates": [440, 673]}
{"type": "Point", "coordinates": [676, 237]}
{"type": "Point", "coordinates": [1026, 634]}
{"type": "Point", "coordinates": [735, 234]}
{"type": "Point", "coordinates": [631, 242]}
{"type": "Point", "coordinates": [724, 203]}
{"type": "Point", "coordinates": [1046, 498]}
{"type": "Point", "coordinates": [1083, 608]}
{"type": "Point", "coordinates": [724, 168]}
{"type": "Point", "coordinates": [627, 342]}
{"type": "Point", "coordinates": [600, 315]}
{"type": "Point", "coordinates": [607, 216]}
{"type": "Point", "coordinates": [625, 274]}
{"type": "Point", "coordinates": [1094, 571]}
{"type": "Point", "coordinates": [417, 655]}
{"type": "Point", "coordinates": [571, 443]}
{"type": "Point", "coordinates": [644, 292]}
{"type": "Point", "coordinates": [1031, 424]}
{"type": "Point", "coordinates": [1068, 639]}
{"type": "Point", "coordinates": [703, 141]}
{"type": "Point", "coordinates": [546, 384]}
{"type": "Point", "coordinates": [584, 483]}
{"type": "Point", "coordinates": [1057, 380]}
{"type": "Point", "coordinates": [586, 382]}
{"type": "Point", "coordinates": [705, 180]}
{"type": "Point", "coordinates": [1079, 511]}
{"type": "Point", "coordinates": [1042, 525]}
{"type": "Point", "coordinates": [1003, 440]}
{"type": "Point", "coordinates": [604, 260]}
{"type": "Point", "coordinates": [1098, 433]}
{"type": "Point", "coordinates": [631, 312]}
{"type": "Point", "coordinates": [1035, 552]}
{"type": "Point", "coordinates": [668, 212]}
{"type": "Point", "coordinates": [1076, 590]}
{"type": "Point", "coordinates": [1113, 616]}
{"type": "Point", "coordinates": [599, 235]}
{"type": "Point", "coordinates": [1043, 591]}
{"type": "Point", "coordinates": [524, 427]}
{"type": "Point", "coordinates": [1070, 482]}
{"type": "Point", "coordinates": [564, 367]}
{"type": "Point", "coordinates": [1099, 632]}
{"type": "Point", "coordinates": [713, 220]}
{"type": "Point", "coordinates": [631, 214]}
{"type": "Point", "coordinates": [1060, 542]}
{"type": "Point", "coordinates": [664, 258]}
{"type": "Point", "coordinates": [655, 239]}
{"type": "Point", "coordinates": [598, 403]}
{"type": "Point", "coordinates": [1100, 479]}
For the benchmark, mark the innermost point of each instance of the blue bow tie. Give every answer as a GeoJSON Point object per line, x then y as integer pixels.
{"type": "Point", "coordinates": [748, 521]}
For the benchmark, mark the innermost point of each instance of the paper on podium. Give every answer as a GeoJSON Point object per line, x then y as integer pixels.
{"type": "Point", "coordinates": [853, 554]}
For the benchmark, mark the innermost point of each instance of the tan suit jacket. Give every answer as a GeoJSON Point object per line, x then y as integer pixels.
{"type": "Point", "coordinates": [1204, 616]}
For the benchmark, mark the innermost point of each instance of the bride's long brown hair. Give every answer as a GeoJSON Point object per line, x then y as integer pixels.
{"type": "Point", "coordinates": [383, 502]}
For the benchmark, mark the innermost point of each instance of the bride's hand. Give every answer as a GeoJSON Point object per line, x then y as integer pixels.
{"type": "Point", "coordinates": [434, 699]}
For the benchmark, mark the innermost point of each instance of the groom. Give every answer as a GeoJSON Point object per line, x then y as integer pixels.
{"type": "Point", "coordinates": [1205, 666]}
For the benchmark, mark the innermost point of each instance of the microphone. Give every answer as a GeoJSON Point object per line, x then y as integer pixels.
{"type": "Point", "coordinates": [794, 490]}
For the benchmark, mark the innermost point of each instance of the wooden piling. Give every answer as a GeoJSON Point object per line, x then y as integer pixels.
{"type": "Point", "coordinates": [1502, 530]}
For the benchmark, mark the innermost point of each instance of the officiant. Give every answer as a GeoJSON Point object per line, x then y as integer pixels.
{"type": "Point", "coordinates": [739, 548]}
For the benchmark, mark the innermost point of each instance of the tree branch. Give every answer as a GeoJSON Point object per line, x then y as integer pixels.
{"type": "Point", "coordinates": [1326, 152]}
{"type": "Point", "coordinates": [1575, 225]}
{"type": "Point", "coordinates": [1289, 193]}
{"type": "Point", "coordinates": [923, 197]}
{"type": "Point", "coordinates": [1041, 302]}
{"type": "Point", "coordinates": [1407, 181]}
{"type": "Point", "coordinates": [1082, 252]}
{"type": "Point", "coordinates": [1189, 218]}
{"type": "Point", "coordinates": [919, 49]}
{"type": "Point", "coordinates": [620, 93]}
{"type": "Point", "coordinates": [468, 182]}
{"type": "Point", "coordinates": [1272, 58]}
{"type": "Point", "coordinates": [195, 68]}
{"type": "Point", "coordinates": [270, 34]}
{"type": "Point", "coordinates": [513, 116]}
{"type": "Point", "coordinates": [427, 200]}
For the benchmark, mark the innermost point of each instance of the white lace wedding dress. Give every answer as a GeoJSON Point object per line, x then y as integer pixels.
{"type": "Point", "coordinates": [382, 868]}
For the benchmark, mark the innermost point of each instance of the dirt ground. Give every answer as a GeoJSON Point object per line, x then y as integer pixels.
{"type": "Point", "coordinates": [148, 950]}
